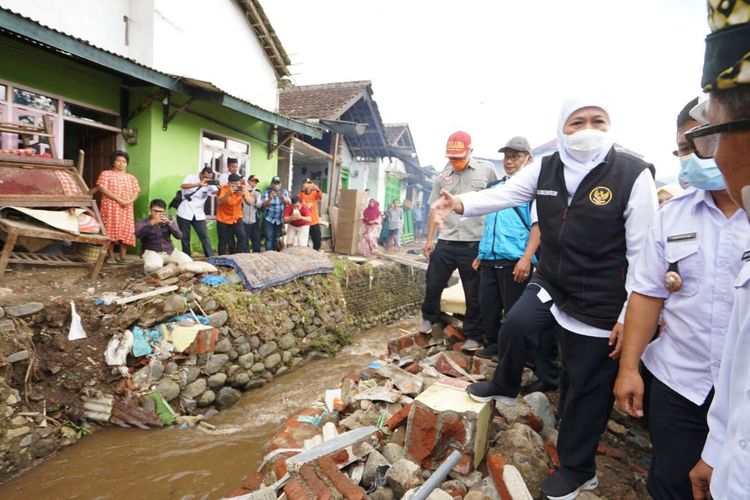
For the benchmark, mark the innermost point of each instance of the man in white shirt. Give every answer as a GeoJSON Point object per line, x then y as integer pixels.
{"type": "Point", "coordinates": [689, 261]}
{"type": "Point", "coordinates": [725, 461]}
{"type": "Point", "coordinates": [233, 167]}
{"type": "Point", "coordinates": [191, 212]}
{"type": "Point", "coordinates": [594, 205]}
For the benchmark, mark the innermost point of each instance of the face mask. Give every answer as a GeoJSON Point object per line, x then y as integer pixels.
{"type": "Point", "coordinates": [459, 165]}
{"type": "Point", "coordinates": [585, 144]}
{"type": "Point", "coordinates": [702, 174]}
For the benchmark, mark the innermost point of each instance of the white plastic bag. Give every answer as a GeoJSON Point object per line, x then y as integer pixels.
{"type": "Point", "coordinates": [178, 257]}
{"type": "Point", "coordinates": [76, 329]}
{"type": "Point", "coordinates": [118, 348]}
{"type": "Point", "coordinates": [152, 261]}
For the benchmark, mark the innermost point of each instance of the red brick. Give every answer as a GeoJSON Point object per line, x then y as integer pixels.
{"type": "Point", "coordinates": [355, 377]}
{"type": "Point", "coordinates": [458, 358]}
{"type": "Point", "coordinates": [638, 469]}
{"type": "Point", "coordinates": [399, 418]}
{"type": "Point", "coordinates": [343, 484]}
{"type": "Point", "coordinates": [495, 465]}
{"type": "Point", "coordinates": [253, 481]}
{"type": "Point", "coordinates": [456, 492]}
{"type": "Point", "coordinates": [454, 333]}
{"type": "Point", "coordinates": [552, 452]}
{"type": "Point", "coordinates": [412, 368]}
{"type": "Point", "coordinates": [422, 340]}
{"type": "Point", "coordinates": [395, 346]}
{"type": "Point", "coordinates": [295, 490]}
{"type": "Point", "coordinates": [314, 483]}
{"type": "Point", "coordinates": [603, 449]}
{"type": "Point", "coordinates": [534, 422]}
{"type": "Point", "coordinates": [279, 468]}
{"type": "Point", "coordinates": [340, 457]}
{"type": "Point", "coordinates": [458, 346]}
{"type": "Point", "coordinates": [422, 435]}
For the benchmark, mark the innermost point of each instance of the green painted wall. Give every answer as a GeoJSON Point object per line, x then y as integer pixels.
{"type": "Point", "coordinates": [25, 65]}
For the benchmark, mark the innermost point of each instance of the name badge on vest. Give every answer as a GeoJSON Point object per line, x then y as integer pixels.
{"type": "Point", "coordinates": [546, 192]}
{"type": "Point", "coordinates": [746, 256]}
{"type": "Point", "coordinates": [676, 238]}
{"type": "Point", "coordinates": [446, 179]}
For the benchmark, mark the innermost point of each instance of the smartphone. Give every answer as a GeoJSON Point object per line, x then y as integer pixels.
{"type": "Point", "coordinates": [213, 182]}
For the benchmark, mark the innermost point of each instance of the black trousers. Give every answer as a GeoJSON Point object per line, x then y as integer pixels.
{"type": "Point", "coordinates": [315, 236]}
{"type": "Point", "coordinates": [444, 259]}
{"type": "Point", "coordinates": [232, 238]}
{"type": "Point", "coordinates": [589, 379]}
{"type": "Point", "coordinates": [200, 230]}
{"type": "Point", "coordinates": [678, 430]}
{"type": "Point", "coordinates": [252, 232]}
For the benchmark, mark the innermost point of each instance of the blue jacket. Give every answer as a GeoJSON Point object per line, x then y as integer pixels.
{"type": "Point", "coordinates": [505, 235]}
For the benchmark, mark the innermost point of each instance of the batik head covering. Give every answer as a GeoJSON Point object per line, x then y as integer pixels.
{"type": "Point", "coordinates": [727, 60]}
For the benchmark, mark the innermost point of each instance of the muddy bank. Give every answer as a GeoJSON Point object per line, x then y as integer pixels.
{"type": "Point", "coordinates": [256, 337]}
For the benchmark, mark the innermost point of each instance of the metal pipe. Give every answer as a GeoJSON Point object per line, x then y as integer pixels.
{"type": "Point", "coordinates": [437, 477]}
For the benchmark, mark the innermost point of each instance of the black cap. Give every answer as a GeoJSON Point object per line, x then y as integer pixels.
{"type": "Point", "coordinates": [234, 178]}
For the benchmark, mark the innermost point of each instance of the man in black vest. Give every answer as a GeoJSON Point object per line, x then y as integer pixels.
{"type": "Point", "coordinates": [594, 207]}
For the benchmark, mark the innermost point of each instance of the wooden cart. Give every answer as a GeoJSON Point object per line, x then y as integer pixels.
{"type": "Point", "coordinates": [44, 183]}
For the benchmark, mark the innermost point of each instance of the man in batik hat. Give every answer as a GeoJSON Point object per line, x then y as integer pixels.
{"type": "Point", "coordinates": [725, 461]}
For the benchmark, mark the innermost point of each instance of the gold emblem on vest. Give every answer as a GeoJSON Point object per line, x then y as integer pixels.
{"type": "Point", "coordinates": [600, 196]}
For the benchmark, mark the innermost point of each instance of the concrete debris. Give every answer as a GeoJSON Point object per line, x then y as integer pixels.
{"type": "Point", "coordinates": [403, 476]}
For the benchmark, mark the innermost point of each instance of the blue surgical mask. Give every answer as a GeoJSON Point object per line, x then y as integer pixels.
{"type": "Point", "coordinates": [702, 174]}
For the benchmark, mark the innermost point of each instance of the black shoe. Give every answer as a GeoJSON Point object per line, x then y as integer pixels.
{"type": "Point", "coordinates": [538, 386]}
{"type": "Point", "coordinates": [488, 352]}
{"type": "Point", "coordinates": [485, 391]}
{"type": "Point", "coordinates": [560, 487]}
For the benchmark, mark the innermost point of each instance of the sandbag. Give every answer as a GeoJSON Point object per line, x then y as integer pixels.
{"type": "Point", "coordinates": [152, 261]}
{"type": "Point", "coordinates": [197, 267]}
{"type": "Point", "coordinates": [178, 257]}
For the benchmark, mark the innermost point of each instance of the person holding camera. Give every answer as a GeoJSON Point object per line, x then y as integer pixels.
{"type": "Point", "coordinates": [309, 196]}
{"type": "Point", "coordinates": [232, 237]}
{"type": "Point", "coordinates": [251, 215]}
{"type": "Point", "coordinates": [274, 199]}
{"type": "Point", "coordinates": [156, 230]}
{"type": "Point", "coordinates": [191, 211]}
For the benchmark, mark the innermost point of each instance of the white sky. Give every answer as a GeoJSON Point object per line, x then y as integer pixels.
{"type": "Point", "coordinates": [499, 68]}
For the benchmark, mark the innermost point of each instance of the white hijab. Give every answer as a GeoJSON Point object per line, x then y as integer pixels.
{"type": "Point", "coordinates": [576, 170]}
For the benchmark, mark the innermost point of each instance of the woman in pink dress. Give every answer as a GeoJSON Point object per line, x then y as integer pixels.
{"type": "Point", "coordinates": [119, 189]}
{"type": "Point", "coordinates": [371, 219]}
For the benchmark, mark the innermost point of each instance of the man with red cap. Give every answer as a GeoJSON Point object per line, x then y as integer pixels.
{"type": "Point", "coordinates": [458, 241]}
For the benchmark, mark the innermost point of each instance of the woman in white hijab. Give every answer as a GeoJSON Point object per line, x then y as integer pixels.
{"type": "Point", "coordinates": [594, 206]}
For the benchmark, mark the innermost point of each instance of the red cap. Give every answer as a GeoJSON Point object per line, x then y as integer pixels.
{"type": "Point", "coordinates": [459, 144]}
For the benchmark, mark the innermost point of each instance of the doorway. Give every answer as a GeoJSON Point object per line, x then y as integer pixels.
{"type": "Point", "coordinates": [96, 143]}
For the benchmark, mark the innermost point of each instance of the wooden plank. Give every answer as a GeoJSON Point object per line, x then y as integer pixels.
{"type": "Point", "coordinates": [145, 295]}
{"type": "Point", "coordinates": [7, 249]}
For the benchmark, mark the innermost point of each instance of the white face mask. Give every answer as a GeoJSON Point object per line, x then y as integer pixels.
{"type": "Point", "coordinates": [585, 144]}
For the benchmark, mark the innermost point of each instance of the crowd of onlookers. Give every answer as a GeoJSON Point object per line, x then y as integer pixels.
{"type": "Point", "coordinates": [245, 215]}
{"type": "Point", "coordinates": [247, 219]}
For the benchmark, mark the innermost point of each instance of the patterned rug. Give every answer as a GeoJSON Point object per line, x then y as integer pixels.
{"type": "Point", "coordinates": [266, 269]}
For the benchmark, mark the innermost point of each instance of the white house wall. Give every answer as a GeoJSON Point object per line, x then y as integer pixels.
{"type": "Point", "coordinates": [213, 41]}
{"type": "Point", "coordinates": [91, 21]}
{"type": "Point", "coordinates": [209, 41]}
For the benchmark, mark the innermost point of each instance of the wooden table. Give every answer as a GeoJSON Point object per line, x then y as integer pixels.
{"type": "Point", "coordinates": [16, 231]}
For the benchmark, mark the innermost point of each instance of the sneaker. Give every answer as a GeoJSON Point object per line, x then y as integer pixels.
{"type": "Point", "coordinates": [485, 391]}
{"type": "Point", "coordinates": [559, 487]}
{"type": "Point", "coordinates": [425, 326]}
{"type": "Point", "coordinates": [471, 345]}
{"type": "Point", "coordinates": [488, 352]}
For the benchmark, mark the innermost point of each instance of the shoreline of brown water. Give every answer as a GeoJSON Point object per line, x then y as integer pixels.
{"type": "Point", "coordinates": [188, 463]}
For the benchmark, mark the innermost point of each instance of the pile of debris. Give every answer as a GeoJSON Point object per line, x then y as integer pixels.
{"type": "Point", "coordinates": [405, 428]}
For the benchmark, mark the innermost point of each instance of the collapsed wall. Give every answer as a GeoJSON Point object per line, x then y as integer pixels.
{"type": "Point", "coordinates": [53, 390]}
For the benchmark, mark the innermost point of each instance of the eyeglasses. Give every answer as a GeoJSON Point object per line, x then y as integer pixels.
{"type": "Point", "coordinates": [705, 139]}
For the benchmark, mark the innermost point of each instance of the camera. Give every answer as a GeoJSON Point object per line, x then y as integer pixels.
{"type": "Point", "coordinates": [212, 182]}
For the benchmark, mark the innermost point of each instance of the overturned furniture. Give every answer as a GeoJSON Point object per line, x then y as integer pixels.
{"type": "Point", "coordinates": [39, 197]}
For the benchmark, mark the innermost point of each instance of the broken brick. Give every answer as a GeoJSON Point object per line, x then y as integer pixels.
{"type": "Point", "coordinates": [253, 481]}
{"type": "Point", "coordinates": [443, 366]}
{"type": "Point", "coordinates": [316, 486]}
{"type": "Point", "coordinates": [343, 484]}
{"type": "Point", "coordinates": [295, 490]}
{"type": "Point", "coordinates": [551, 449]}
{"type": "Point", "coordinates": [395, 346]}
{"type": "Point", "coordinates": [279, 468]}
{"type": "Point", "coordinates": [495, 466]}
{"type": "Point", "coordinates": [413, 368]}
{"type": "Point", "coordinates": [454, 333]}
{"type": "Point", "coordinates": [603, 449]}
{"type": "Point", "coordinates": [443, 419]}
{"type": "Point", "coordinates": [399, 417]}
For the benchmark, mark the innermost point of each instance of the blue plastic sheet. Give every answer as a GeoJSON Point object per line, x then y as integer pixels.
{"type": "Point", "coordinates": [142, 340]}
{"type": "Point", "coordinates": [203, 319]}
{"type": "Point", "coordinates": [213, 280]}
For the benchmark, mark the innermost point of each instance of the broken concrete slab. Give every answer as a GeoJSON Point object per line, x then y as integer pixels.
{"type": "Point", "coordinates": [378, 394]}
{"type": "Point", "coordinates": [442, 419]}
{"type": "Point", "coordinates": [409, 384]}
{"type": "Point", "coordinates": [26, 309]}
{"type": "Point", "coordinates": [338, 443]}
{"type": "Point", "coordinates": [403, 476]}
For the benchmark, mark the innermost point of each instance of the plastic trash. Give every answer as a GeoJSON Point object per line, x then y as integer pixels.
{"type": "Point", "coordinates": [118, 348]}
{"type": "Point", "coordinates": [214, 280]}
{"type": "Point", "coordinates": [141, 347]}
{"type": "Point", "coordinates": [163, 410]}
{"type": "Point", "coordinates": [332, 397]}
{"type": "Point", "coordinates": [76, 329]}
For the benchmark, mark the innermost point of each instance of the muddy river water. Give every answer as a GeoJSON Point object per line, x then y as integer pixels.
{"type": "Point", "coordinates": [187, 463]}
